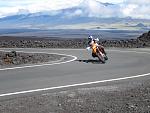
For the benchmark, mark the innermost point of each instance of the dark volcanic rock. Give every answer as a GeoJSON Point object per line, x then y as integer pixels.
{"type": "Point", "coordinates": [141, 41]}
{"type": "Point", "coordinates": [145, 39]}
{"type": "Point", "coordinates": [47, 42]}
{"type": "Point", "coordinates": [8, 59]}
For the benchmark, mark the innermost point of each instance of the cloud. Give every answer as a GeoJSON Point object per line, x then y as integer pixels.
{"type": "Point", "coordinates": [111, 1]}
{"type": "Point", "coordinates": [129, 9]}
{"type": "Point", "coordinates": [48, 5]}
{"type": "Point", "coordinates": [136, 9]}
{"type": "Point", "coordinates": [89, 8]}
{"type": "Point", "coordinates": [139, 2]}
{"type": "Point", "coordinates": [5, 11]}
{"type": "Point", "coordinates": [71, 14]}
{"type": "Point", "coordinates": [95, 8]}
{"type": "Point", "coordinates": [11, 7]}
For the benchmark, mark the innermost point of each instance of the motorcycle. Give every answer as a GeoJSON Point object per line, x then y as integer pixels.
{"type": "Point", "coordinates": [101, 56]}
{"type": "Point", "coordinates": [100, 53]}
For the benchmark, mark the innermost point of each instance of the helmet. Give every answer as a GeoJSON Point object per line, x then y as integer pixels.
{"type": "Point", "coordinates": [90, 37]}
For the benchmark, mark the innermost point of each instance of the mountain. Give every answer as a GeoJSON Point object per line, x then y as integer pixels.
{"type": "Point", "coordinates": [107, 4]}
{"type": "Point", "coordinates": [75, 15]}
{"type": "Point", "coordinates": [140, 25]}
{"type": "Point", "coordinates": [86, 12]}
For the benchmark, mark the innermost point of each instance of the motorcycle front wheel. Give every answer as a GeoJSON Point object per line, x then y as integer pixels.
{"type": "Point", "coordinates": [101, 58]}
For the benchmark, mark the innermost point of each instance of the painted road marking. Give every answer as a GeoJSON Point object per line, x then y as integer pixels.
{"type": "Point", "coordinates": [80, 84]}
{"type": "Point", "coordinates": [43, 64]}
{"type": "Point", "coordinates": [56, 62]}
{"type": "Point", "coordinates": [73, 85]}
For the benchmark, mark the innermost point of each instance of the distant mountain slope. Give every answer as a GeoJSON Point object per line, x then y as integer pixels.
{"type": "Point", "coordinates": [140, 25]}
{"type": "Point", "coordinates": [49, 21]}
{"type": "Point", "coordinates": [83, 13]}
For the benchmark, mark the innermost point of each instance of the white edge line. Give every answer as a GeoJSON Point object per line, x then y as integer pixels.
{"type": "Point", "coordinates": [126, 51]}
{"type": "Point", "coordinates": [81, 84]}
{"type": "Point", "coordinates": [46, 64]}
{"type": "Point", "coordinates": [73, 85]}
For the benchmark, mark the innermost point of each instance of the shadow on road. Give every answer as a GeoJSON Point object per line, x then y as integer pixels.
{"type": "Point", "coordinates": [90, 61]}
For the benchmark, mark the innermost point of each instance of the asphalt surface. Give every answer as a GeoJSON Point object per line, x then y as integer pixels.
{"type": "Point", "coordinates": [122, 63]}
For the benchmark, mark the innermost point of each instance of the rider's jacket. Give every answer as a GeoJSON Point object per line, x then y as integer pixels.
{"type": "Point", "coordinates": [94, 47]}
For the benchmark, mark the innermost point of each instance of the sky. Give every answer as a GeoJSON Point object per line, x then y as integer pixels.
{"type": "Point", "coordinates": [122, 8]}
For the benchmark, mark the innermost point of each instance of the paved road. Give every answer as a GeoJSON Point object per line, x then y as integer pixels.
{"type": "Point", "coordinates": [121, 63]}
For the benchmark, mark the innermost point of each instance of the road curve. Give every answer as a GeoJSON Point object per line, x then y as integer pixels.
{"type": "Point", "coordinates": [122, 64]}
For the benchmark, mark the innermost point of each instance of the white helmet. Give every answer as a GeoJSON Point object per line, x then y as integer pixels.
{"type": "Point", "coordinates": [90, 37]}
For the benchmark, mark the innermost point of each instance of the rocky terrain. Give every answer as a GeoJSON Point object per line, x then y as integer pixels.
{"type": "Point", "coordinates": [48, 42]}
{"type": "Point", "coordinates": [30, 42]}
{"type": "Point", "coordinates": [14, 58]}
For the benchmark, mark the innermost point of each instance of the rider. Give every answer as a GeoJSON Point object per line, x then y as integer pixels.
{"type": "Point", "coordinates": [94, 45]}
{"type": "Point", "coordinates": [90, 41]}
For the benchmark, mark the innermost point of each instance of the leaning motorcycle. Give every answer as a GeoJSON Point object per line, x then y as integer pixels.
{"type": "Point", "coordinates": [101, 56]}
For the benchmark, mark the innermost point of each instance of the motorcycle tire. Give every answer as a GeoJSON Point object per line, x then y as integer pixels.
{"type": "Point", "coordinates": [101, 58]}
{"type": "Point", "coordinates": [106, 58]}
